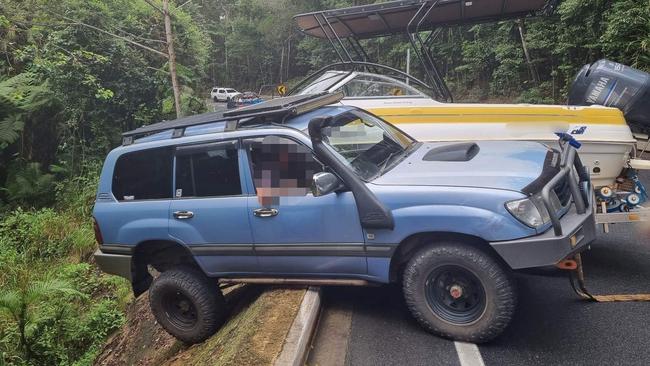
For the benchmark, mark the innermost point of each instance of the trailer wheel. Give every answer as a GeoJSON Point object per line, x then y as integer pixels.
{"type": "Point", "coordinates": [188, 304]}
{"type": "Point", "coordinates": [460, 292]}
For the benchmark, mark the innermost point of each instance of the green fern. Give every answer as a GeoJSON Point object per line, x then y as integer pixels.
{"type": "Point", "coordinates": [24, 305]}
{"type": "Point", "coordinates": [28, 185]}
{"type": "Point", "coordinates": [19, 96]}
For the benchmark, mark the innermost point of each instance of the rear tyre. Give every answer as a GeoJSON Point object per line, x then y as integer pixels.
{"type": "Point", "coordinates": [460, 292]}
{"type": "Point", "coordinates": [187, 304]}
{"type": "Point", "coordinates": [215, 99]}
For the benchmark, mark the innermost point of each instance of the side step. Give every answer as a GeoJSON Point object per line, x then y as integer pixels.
{"type": "Point", "coordinates": [296, 281]}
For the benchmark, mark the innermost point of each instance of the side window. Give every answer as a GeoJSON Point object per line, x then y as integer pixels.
{"type": "Point", "coordinates": [280, 167]}
{"type": "Point", "coordinates": [143, 175]}
{"type": "Point", "coordinates": [210, 170]}
{"type": "Point", "coordinates": [222, 91]}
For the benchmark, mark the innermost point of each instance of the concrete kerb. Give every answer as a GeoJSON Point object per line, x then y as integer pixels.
{"type": "Point", "coordinates": [296, 345]}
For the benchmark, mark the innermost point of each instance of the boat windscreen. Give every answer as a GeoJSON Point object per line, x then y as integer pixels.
{"type": "Point", "coordinates": [324, 82]}
{"type": "Point", "coordinates": [365, 85]}
{"type": "Point", "coordinates": [393, 17]}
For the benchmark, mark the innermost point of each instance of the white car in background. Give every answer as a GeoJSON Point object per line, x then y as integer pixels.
{"type": "Point", "coordinates": [219, 94]}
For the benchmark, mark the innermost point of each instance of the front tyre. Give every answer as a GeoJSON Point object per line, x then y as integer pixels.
{"type": "Point", "coordinates": [460, 292]}
{"type": "Point", "coordinates": [188, 304]}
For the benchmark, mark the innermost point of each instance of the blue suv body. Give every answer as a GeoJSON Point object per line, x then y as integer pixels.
{"type": "Point", "coordinates": [298, 191]}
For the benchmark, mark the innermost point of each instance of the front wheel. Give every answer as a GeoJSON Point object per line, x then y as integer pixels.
{"type": "Point", "coordinates": [460, 292]}
{"type": "Point", "coordinates": [187, 304]}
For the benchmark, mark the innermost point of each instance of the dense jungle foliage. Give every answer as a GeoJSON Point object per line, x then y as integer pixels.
{"type": "Point", "coordinates": [71, 80]}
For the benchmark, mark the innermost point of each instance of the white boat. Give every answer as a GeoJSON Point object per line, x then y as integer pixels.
{"type": "Point", "coordinates": [607, 141]}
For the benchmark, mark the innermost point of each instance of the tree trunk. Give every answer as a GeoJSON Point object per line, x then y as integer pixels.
{"type": "Point", "coordinates": [281, 64]}
{"type": "Point", "coordinates": [172, 58]}
{"type": "Point", "coordinates": [531, 67]}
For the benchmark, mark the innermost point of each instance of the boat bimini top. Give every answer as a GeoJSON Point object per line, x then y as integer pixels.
{"type": "Point", "coordinates": [344, 28]}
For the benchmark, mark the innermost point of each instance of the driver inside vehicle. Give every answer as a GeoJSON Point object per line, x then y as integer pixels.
{"type": "Point", "coordinates": [281, 168]}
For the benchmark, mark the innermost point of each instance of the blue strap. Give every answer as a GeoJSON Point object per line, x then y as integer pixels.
{"type": "Point", "coordinates": [567, 137]}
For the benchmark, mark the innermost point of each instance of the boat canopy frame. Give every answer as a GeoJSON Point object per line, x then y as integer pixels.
{"type": "Point", "coordinates": [412, 17]}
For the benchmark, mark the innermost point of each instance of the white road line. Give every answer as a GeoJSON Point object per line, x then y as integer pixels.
{"type": "Point", "coordinates": [468, 354]}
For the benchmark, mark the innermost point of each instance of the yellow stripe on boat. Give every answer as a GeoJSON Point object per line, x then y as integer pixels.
{"type": "Point", "coordinates": [500, 113]}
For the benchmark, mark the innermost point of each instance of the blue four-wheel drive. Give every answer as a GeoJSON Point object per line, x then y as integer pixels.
{"type": "Point", "coordinates": [303, 190]}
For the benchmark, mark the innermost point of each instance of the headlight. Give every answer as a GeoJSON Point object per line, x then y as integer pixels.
{"type": "Point", "coordinates": [531, 211]}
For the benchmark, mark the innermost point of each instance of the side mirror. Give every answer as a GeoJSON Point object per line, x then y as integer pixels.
{"type": "Point", "coordinates": [325, 183]}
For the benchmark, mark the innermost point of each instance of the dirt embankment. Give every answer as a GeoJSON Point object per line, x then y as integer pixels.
{"type": "Point", "coordinates": [253, 335]}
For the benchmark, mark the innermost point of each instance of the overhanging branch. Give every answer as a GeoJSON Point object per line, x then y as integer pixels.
{"type": "Point", "coordinates": [76, 22]}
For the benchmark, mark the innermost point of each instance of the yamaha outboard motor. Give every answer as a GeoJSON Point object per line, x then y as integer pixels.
{"type": "Point", "coordinates": [612, 84]}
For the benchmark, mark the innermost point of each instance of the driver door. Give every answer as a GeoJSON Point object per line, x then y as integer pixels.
{"type": "Point", "coordinates": [294, 232]}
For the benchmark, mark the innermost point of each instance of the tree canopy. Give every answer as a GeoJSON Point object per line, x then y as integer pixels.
{"type": "Point", "coordinates": [72, 77]}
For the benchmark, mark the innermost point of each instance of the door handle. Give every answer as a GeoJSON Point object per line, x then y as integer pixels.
{"type": "Point", "coordinates": [183, 215]}
{"type": "Point", "coordinates": [265, 212]}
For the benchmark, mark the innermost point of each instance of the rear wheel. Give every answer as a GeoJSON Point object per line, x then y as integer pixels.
{"type": "Point", "coordinates": [187, 304]}
{"type": "Point", "coordinates": [460, 292]}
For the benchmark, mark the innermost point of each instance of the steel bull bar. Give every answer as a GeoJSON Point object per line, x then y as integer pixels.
{"type": "Point", "coordinates": [569, 160]}
{"type": "Point", "coordinates": [580, 190]}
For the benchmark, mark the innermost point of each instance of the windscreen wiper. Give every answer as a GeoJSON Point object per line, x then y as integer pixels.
{"type": "Point", "coordinates": [383, 167]}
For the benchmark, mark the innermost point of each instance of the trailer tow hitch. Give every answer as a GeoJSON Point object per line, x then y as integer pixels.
{"type": "Point", "coordinates": [577, 278]}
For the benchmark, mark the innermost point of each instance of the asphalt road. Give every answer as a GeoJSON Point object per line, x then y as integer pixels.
{"type": "Point", "coordinates": [552, 325]}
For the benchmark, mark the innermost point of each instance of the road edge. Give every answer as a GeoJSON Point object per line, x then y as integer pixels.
{"type": "Point", "coordinates": [296, 345]}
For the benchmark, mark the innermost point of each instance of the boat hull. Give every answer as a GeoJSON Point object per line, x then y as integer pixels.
{"type": "Point", "coordinates": [607, 142]}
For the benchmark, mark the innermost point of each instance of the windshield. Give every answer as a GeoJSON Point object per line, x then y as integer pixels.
{"type": "Point", "coordinates": [369, 85]}
{"type": "Point", "coordinates": [366, 144]}
{"type": "Point", "coordinates": [324, 82]}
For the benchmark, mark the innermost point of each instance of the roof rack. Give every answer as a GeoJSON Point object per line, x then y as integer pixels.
{"type": "Point", "coordinates": [279, 108]}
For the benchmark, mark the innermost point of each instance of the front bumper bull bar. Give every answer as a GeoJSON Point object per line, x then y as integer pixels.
{"type": "Point", "coordinates": [572, 233]}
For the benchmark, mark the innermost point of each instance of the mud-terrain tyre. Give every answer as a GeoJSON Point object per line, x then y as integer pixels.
{"type": "Point", "coordinates": [459, 292]}
{"type": "Point", "coordinates": [187, 304]}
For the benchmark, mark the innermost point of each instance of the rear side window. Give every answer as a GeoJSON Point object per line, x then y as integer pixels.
{"type": "Point", "coordinates": [143, 175]}
{"type": "Point", "coordinates": [208, 170]}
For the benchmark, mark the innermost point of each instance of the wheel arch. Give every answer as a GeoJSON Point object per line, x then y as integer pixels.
{"type": "Point", "coordinates": [161, 255]}
{"type": "Point", "coordinates": [411, 244]}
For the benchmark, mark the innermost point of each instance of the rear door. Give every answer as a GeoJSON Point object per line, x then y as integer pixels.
{"type": "Point", "coordinates": [142, 187]}
{"type": "Point", "coordinates": [209, 210]}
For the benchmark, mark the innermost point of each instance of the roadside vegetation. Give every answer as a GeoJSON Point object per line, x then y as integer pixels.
{"type": "Point", "coordinates": [72, 79]}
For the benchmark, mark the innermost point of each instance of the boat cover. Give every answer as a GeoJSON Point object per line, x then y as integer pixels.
{"type": "Point", "coordinates": [393, 17]}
